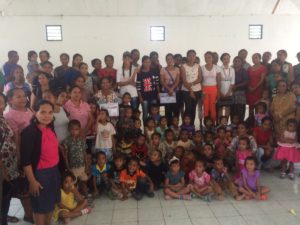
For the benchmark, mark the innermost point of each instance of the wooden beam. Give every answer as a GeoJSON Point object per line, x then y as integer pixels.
{"type": "Point", "coordinates": [275, 7]}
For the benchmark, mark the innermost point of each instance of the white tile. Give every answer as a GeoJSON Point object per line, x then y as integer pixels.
{"type": "Point", "coordinates": [126, 223]}
{"type": "Point", "coordinates": [78, 220]}
{"type": "Point", "coordinates": [200, 211]}
{"type": "Point", "coordinates": [153, 222]}
{"type": "Point", "coordinates": [149, 203]}
{"type": "Point", "coordinates": [175, 213]}
{"type": "Point", "coordinates": [125, 215]}
{"type": "Point", "coordinates": [285, 219]}
{"type": "Point", "coordinates": [272, 207]}
{"type": "Point", "coordinates": [127, 204]}
{"type": "Point", "coordinates": [104, 205]}
{"type": "Point", "coordinates": [172, 203]}
{"type": "Point", "coordinates": [178, 222]}
{"type": "Point", "coordinates": [103, 217]}
{"type": "Point", "coordinates": [149, 214]}
{"type": "Point", "coordinates": [224, 210]}
{"type": "Point", "coordinates": [232, 220]}
{"type": "Point", "coordinates": [259, 220]}
{"type": "Point", "coordinates": [205, 221]}
{"type": "Point", "coordinates": [248, 208]}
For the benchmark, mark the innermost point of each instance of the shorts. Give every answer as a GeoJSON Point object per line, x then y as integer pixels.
{"type": "Point", "coordinates": [79, 173]}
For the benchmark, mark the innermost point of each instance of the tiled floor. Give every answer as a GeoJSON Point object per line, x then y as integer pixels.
{"type": "Point", "coordinates": [275, 211]}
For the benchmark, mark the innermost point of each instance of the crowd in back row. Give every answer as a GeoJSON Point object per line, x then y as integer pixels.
{"type": "Point", "coordinates": [66, 118]}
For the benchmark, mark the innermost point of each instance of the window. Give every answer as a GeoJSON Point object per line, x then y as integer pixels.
{"type": "Point", "coordinates": [157, 33]}
{"type": "Point", "coordinates": [53, 32]}
{"type": "Point", "coordinates": [255, 31]}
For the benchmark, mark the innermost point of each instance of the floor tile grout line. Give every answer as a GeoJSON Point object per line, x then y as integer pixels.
{"type": "Point", "coordinates": [215, 216]}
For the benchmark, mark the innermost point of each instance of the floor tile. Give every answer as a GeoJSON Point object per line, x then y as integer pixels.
{"type": "Point", "coordinates": [153, 222]}
{"type": "Point", "coordinates": [224, 210]}
{"type": "Point", "coordinates": [232, 220]}
{"type": "Point", "coordinates": [175, 213]}
{"type": "Point", "coordinates": [259, 220]}
{"type": "Point", "coordinates": [148, 214]}
{"type": "Point", "coordinates": [201, 211]}
{"type": "Point", "coordinates": [103, 217]}
{"type": "Point", "coordinates": [205, 221]}
{"type": "Point", "coordinates": [178, 222]}
{"type": "Point", "coordinates": [124, 215]}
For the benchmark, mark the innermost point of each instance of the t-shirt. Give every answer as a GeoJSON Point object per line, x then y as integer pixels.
{"type": "Point", "coordinates": [250, 179]}
{"type": "Point", "coordinates": [18, 120]}
{"type": "Point", "coordinates": [70, 76]}
{"type": "Point", "coordinates": [262, 137]}
{"type": "Point", "coordinates": [217, 176]}
{"type": "Point", "coordinates": [99, 172]}
{"type": "Point", "coordinates": [169, 77]}
{"type": "Point", "coordinates": [76, 148]}
{"type": "Point", "coordinates": [104, 133]}
{"type": "Point", "coordinates": [227, 79]}
{"type": "Point", "coordinates": [123, 78]}
{"type": "Point", "coordinates": [202, 181]}
{"type": "Point", "coordinates": [110, 73]}
{"type": "Point", "coordinates": [174, 178]}
{"type": "Point", "coordinates": [192, 75]}
{"type": "Point", "coordinates": [146, 84]}
{"type": "Point", "coordinates": [8, 68]}
{"type": "Point", "coordinates": [240, 77]}
{"type": "Point", "coordinates": [49, 150]}
{"type": "Point", "coordinates": [80, 113]}
{"type": "Point", "coordinates": [115, 173]}
{"type": "Point", "coordinates": [131, 179]}
{"type": "Point", "coordinates": [210, 76]}
{"type": "Point", "coordinates": [241, 157]}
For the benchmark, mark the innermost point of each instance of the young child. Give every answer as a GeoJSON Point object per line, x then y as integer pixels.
{"type": "Point", "coordinates": [287, 150]}
{"type": "Point", "coordinates": [124, 144]}
{"type": "Point", "coordinates": [179, 152]}
{"type": "Point", "coordinates": [134, 181]}
{"type": "Point", "coordinates": [221, 180]}
{"type": "Point", "coordinates": [105, 140]}
{"type": "Point", "coordinates": [223, 122]}
{"type": "Point", "coordinates": [187, 125]}
{"type": "Point", "coordinates": [100, 172]}
{"type": "Point", "coordinates": [198, 143]}
{"type": "Point", "coordinates": [208, 125]}
{"type": "Point", "coordinates": [72, 204]}
{"type": "Point", "coordinates": [91, 133]}
{"type": "Point", "coordinates": [249, 183]}
{"type": "Point", "coordinates": [126, 98]}
{"type": "Point", "coordinates": [150, 128]}
{"type": "Point", "coordinates": [154, 143]}
{"type": "Point", "coordinates": [154, 113]}
{"type": "Point", "coordinates": [235, 120]}
{"type": "Point", "coordinates": [137, 124]}
{"type": "Point", "coordinates": [241, 154]}
{"type": "Point", "coordinates": [32, 65]}
{"type": "Point", "coordinates": [200, 181]}
{"type": "Point", "coordinates": [156, 169]}
{"type": "Point", "coordinates": [260, 112]}
{"type": "Point", "coordinates": [75, 153]}
{"type": "Point", "coordinates": [168, 145]}
{"type": "Point", "coordinates": [114, 175]}
{"type": "Point", "coordinates": [175, 187]}
{"type": "Point", "coordinates": [140, 150]}
{"type": "Point", "coordinates": [208, 154]}
{"type": "Point", "coordinates": [209, 138]}
{"type": "Point", "coordinates": [221, 143]}
{"type": "Point", "coordinates": [175, 127]}
{"type": "Point", "coordinates": [162, 127]}
{"type": "Point", "coordinates": [184, 140]}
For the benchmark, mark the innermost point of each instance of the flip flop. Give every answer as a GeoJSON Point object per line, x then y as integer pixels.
{"type": "Point", "coordinates": [12, 219]}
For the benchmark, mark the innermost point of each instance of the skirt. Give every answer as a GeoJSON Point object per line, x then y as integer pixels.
{"type": "Point", "coordinates": [291, 154]}
{"type": "Point", "coordinates": [50, 194]}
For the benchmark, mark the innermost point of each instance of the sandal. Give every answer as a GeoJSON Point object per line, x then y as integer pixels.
{"type": "Point", "coordinates": [12, 219]}
{"type": "Point", "coordinates": [291, 176]}
{"type": "Point", "coordinates": [282, 175]}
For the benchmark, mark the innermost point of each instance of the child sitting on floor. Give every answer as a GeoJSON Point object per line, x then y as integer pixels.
{"type": "Point", "coordinates": [175, 187]}
{"type": "Point", "coordinates": [72, 204]}
{"type": "Point", "coordinates": [114, 175]}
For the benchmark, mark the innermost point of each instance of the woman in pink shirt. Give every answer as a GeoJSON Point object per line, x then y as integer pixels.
{"type": "Point", "coordinates": [78, 109]}
{"type": "Point", "coordinates": [39, 159]}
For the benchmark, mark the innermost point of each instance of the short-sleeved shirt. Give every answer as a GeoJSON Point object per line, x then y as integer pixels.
{"type": "Point", "coordinates": [80, 113]}
{"type": "Point", "coordinates": [61, 124]}
{"type": "Point", "coordinates": [18, 120]}
{"type": "Point", "coordinates": [76, 151]}
{"type": "Point", "coordinates": [210, 76]}
{"type": "Point", "coordinates": [227, 79]}
{"type": "Point", "coordinates": [49, 150]}
{"type": "Point", "coordinates": [240, 77]}
{"type": "Point", "coordinates": [8, 68]}
{"type": "Point", "coordinates": [170, 76]}
{"type": "Point", "coordinates": [99, 172]}
{"type": "Point", "coordinates": [115, 174]}
{"type": "Point", "coordinates": [131, 179]}
{"type": "Point", "coordinates": [123, 76]}
{"type": "Point", "coordinates": [191, 76]}
{"type": "Point", "coordinates": [217, 176]}
{"type": "Point", "coordinates": [174, 178]}
{"type": "Point", "coordinates": [25, 87]}
{"type": "Point", "coordinates": [110, 73]}
{"type": "Point", "coordinates": [250, 179]}
{"type": "Point", "coordinates": [199, 181]}
{"type": "Point", "coordinates": [235, 143]}
{"type": "Point", "coordinates": [262, 137]}
{"type": "Point", "coordinates": [104, 133]}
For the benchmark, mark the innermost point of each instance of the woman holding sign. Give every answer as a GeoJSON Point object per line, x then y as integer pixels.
{"type": "Point", "coordinates": [169, 79]}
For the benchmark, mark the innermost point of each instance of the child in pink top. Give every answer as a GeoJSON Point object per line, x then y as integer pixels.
{"type": "Point", "coordinates": [200, 181]}
{"type": "Point", "coordinates": [241, 154]}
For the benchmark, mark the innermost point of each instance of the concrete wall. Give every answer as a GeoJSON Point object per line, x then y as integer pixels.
{"type": "Point", "coordinates": [96, 36]}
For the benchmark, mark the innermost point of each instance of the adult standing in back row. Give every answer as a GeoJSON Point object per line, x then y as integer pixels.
{"type": "Point", "coordinates": [191, 75]}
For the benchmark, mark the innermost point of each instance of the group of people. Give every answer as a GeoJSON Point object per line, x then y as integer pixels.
{"type": "Point", "coordinates": [69, 134]}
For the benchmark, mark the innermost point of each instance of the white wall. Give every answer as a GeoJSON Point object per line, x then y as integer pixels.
{"type": "Point", "coordinates": [95, 36]}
